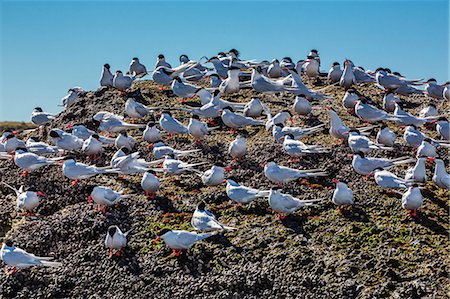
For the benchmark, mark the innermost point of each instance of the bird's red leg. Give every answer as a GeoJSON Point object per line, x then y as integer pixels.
{"type": "Point", "coordinates": [198, 141]}
{"type": "Point", "coordinates": [98, 208]}
{"type": "Point", "coordinates": [14, 270]}
{"type": "Point", "coordinates": [104, 209]}
{"type": "Point", "coordinates": [339, 210]}
{"type": "Point", "coordinates": [24, 173]}
{"type": "Point", "coordinates": [110, 252]}
{"type": "Point", "coordinates": [174, 253]}
{"type": "Point", "coordinates": [74, 183]}
{"type": "Point", "coordinates": [118, 252]}
{"type": "Point", "coordinates": [152, 196]}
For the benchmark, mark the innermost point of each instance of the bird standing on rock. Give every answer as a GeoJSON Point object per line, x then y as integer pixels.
{"type": "Point", "coordinates": [179, 240]}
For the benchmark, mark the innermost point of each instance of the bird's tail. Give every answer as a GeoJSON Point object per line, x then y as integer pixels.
{"type": "Point", "coordinates": [137, 126]}
{"type": "Point", "coordinates": [403, 160]}
{"type": "Point", "coordinates": [47, 263]}
{"type": "Point", "coordinates": [228, 228]}
{"type": "Point", "coordinates": [205, 235]}
{"type": "Point", "coordinates": [187, 152]}
{"type": "Point", "coordinates": [309, 202]}
{"type": "Point", "coordinates": [263, 193]}
{"type": "Point", "coordinates": [194, 164]}
{"type": "Point", "coordinates": [367, 128]}
{"type": "Point", "coordinates": [315, 129]}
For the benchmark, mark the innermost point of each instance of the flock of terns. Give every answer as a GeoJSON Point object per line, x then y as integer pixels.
{"type": "Point", "coordinates": [226, 74]}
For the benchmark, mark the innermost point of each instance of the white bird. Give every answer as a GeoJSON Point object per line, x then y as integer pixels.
{"type": "Point", "coordinates": [369, 113]}
{"type": "Point", "coordinates": [302, 106]}
{"type": "Point", "coordinates": [116, 239]}
{"type": "Point", "coordinates": [39, 117]}
{"type": "Point", "coordinates": [443, 128]}
{"type": "Point", "coordinates": [279, 119]}
{"type": "Point", "coordinates": [164, 74]}
{"type": "Point", "coordinates": [214, 80]}
{"type": "Point", "coordinates": [109, 122]}
{"type": "Point", "coordinates": [135, 109]}
{"type": "Point", "coordinates": [231, 84]}
{"type": "Point", "coordinates": [417, 173]}
{"type": "Point", "coordinates": [178, 240]}
{"type": "Point", "coordinates": [104, 196]}
{"type": "Point", "coordinates": [298, 132]}
{"type": "Point", "coordinates": [80, 131]}
{"type": "Point", "coordinates": [72, 97]}
{"type": "Point", "coordinates": [350, 98]}
{"type": "Point", "coordinates": [386, 136]}
{"type": "Point", "coordinates": [182, 89]}
{"type": "Point", "coordinates": [40, 148]}
{"type": "Point", "coordinates": [126, 162]}
{"type": "Point", "coordinates": [160, 150]}
{"type": "Point", "coordinates": [342, 195]}
{"type": "Point", "coordinates": [311, 67]}
{"type": "Point", "coordinates": [348, 78]}
{"type": "Point", "coordinates": [172, 165]}
{"type": "Point", "coordinates": [414, 137]}
{"type": "Point", "coordinates": [391, 81]}
{"type": "Point", "coordinates": [430, 110]}
{"type": "Point", "coordinates": [198, 129]}
{"type": "Point", "coordinates": [150, 184]}
{"type": "Point", "coordinates": [77, 171]}
{"type": "Point", "coordinates": [389, 101]}
{"type": "Point", "coordinates": [124, 140]}
{"type": "Point", "coordinates": [335, 73]}
{"type": "Point", "coordinates": [10, 142]}
{"type": "Point", "coordinates": [274, 69]}
{"type": "Point", "coordinates": [426, 149]}
{"type": "Point", "coordinates": [404, 118]}
{"type": "Point", "coordinates": [151, 133]}
{"type": "Point", "coordinates": [92, 146]}
{"type": "Point", "coordinates": [106, 78]}
{"type": "Point", "coordinates": [295, 148]}
{"type": "Point", "coordinates": [440, 177]}
{"type": "Point", "coordinates": [412, 200]}
{"type": "Point", "coordinates": [281, 174]}
{"type": "Point", "coordinates": [387, 180]}
{"type": "Point", "coordinates": [27, 200]}
{"type": "Point", "coordinates": [236, 121]}
{"type": "Point", "coordinates": [238, 147]}
{"type": "Point", "coordinates": [365, 166]}
{"type": "Point", "coordinates": [261, 83]}
{"type": "Point", "coordinates": [161, 61]}
{"type": "Point", "coordinates": [242, 194]}
{"type": "Point", "coordinates": [286, 204]}
{"type": "Point", "coordinates": [122, 82]}
{"type": "Point", "coordinates": [433, 90]}
{"type": "Point", "coordinates": [337, 127]}
{"type": "Point", "coordinates": [29, 162]}
{"type": "Point", "coordinates": [254, 108]}
{"type": "Point", "coordinates": [137, 68]}
{"type": "Point", "coordinates": [203, 220]}
{"type": "Point", "coordinates": [360, 143]}
{"type": "Point", "coordinates": [214, 176]}
{"type": "Point", "coordinates": [20, 259]}
{"type": "Point", "coordinates": [171, 125]}
{"type": "Point", "coordinates": [65, 141]}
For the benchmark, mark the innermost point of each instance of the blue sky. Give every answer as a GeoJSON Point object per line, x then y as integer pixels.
{"type": "Point", "coordinates": [48, 47]}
